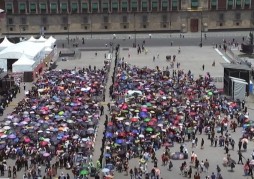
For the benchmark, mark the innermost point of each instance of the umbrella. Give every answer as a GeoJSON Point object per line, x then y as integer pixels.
{"type": "Point", "coordinates": [12, 136]}
{"type": "Point", "coordinates": [46, 154]}
{"type": "Point", "coordinates": [209, 93]}
{"type": "Point", "coordinates": [120, 141]}
{"type": "Point", "coordinates": [105, 170]}
{"type": "Point", "coordinates": [109, 135]}
{"type": "Point", "coordinates": [147, 120]}
{"type": "Point", "coordinates": [84, 172]}
{"type": "Point", "coordinates": [149, 129]}
{"type": "Point", "coordinates": [43, 143]}
{"type": "Point", "coordinates": [6, 127]}
{"type": "Point", "coordinates": [134, 119]}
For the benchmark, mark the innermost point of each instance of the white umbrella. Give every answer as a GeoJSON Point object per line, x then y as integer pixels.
{"type": "Point", "coordinates": [6, 127]}
{"type": "Point", "coordinates": [127, 123]}
{"type": "Point", "coordinates": [3, 136]}
{"type": "Point", "coordinates": [141, 136]}
{"type": "Point", "coordinates": [105, 170]}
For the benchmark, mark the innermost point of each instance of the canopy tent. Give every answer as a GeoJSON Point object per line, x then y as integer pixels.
{"type": "Point", "coordinates": [5, 43]}
{"type": "Point", "coordinates": [23, 64]}
{"type": "Point", "coordinates": [32, 50]}
{"type": "Point", "coordinates": [32, 39]}
{"type": "Point", "coordinates": [50, 42]}
{"type": "Point", "coordinates": [41, 39]}
{"type": "Point", "coordinates": [48, 50]}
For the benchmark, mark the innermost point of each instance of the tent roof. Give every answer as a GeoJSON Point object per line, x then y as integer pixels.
{"type": "Point", "coordinates": [48, 49]}
{"type": "Point", "coordinates": [52, 39]}
{"type": "Point", "coordinates": [42, 39]}
{"type": "Point", "coordinates": [32, 39]}
{"type": "Point", "coordinates": [6, 43]}
{"type": "Point", "coordinates": [24, 60]}
{"type": "Point", "coordinates": [236, 66]}
{"type": "Point", "coordinates": [30, 49]}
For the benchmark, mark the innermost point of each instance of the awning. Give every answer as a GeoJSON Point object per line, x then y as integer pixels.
{"type": "Point", "coordinates": [9, 6]}
{"type": "Point", "coordinates": [154, 4]}
{"type": "Point", "coordinates": [165, 3]}
{"type": "Point", "coordinates": [114, 5]}
{"type": "Point", "coordinates": [53, 6]}
{"type": "Point", "coordinates": [22, 6]}
{"type": "Point", "coordinates": [247, 2]}
{"type": "Point", "coordinates": [134, 4]}
{"type": "Point", "coordinates": [124, 4]}
{"type": "Point", "coordinates": [214, 3]}
{"type": "Point", "coordinates": [95, 6]}
{"type": "Point", "coordinates": [74, 6]}
{"type": "Point", "coordinates": [43, 6]}
{"type": "Point", "coordinates": [64, 6]}
{"type": "Point", "coordinates": [105, 5]}
{"type": "Point", "coordinates": [32, 6]}
{"type": "Point", "coordinates": [230, 2]}
{"type": "Point", "coordinates": [144, 4]}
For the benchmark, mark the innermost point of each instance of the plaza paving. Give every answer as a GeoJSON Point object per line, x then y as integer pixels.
{"type": "Point", "coordinates": [190, 58]}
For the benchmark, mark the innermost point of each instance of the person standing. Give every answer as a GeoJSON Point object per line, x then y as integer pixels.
{"type": "Point", "coordinates": [206, 165]}
{"type": "Point", "coordinates": [240, 157]}
{"type": "Point", "coordinates": [24, 85]}
{"type": "Point", "coordinates": [202, 143]}
{"type": "Point", "coordinates": [203, 67]}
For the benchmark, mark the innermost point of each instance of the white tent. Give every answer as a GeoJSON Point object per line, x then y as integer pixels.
{"type": "Point", "coordinates": [5, 43]}
{"type": "Point", "coordinates": [42, 39]}
{"type": "Point", "coordinates": [50, 42]}
{"type": "Point", "coordinates": [23, 64]}
{"type": "Point", "coordinates": [32, 39]}
{"type": "Point", "coordinates": [48, 50]}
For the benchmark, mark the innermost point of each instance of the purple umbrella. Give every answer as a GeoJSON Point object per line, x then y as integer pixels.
{"type": "Point", "coordinates": [12, 136]}
{"type": "Point", "coordinates": [46, 154]}
{"type": "Point", "coordinates": [143, 114]}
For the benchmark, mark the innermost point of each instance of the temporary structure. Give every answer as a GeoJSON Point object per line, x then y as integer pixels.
{"type": "Point", "coordinates": [42, 39]}
{"type": "Point", "coordinates": [24, 63]}
{"type": "Point", "coordinates": [32, 39]}
{"type": "Point", "coordinates": [5, 43]}
{"type": "Point", "coordinates": [50, 42]}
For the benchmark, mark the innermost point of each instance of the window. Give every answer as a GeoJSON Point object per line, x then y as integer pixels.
{"type": "Point", "coordinates": [247, 4]}
{"type": "Point", "coordinates": [105, 7]}
{"type": "Point", "coordinates": [238, 4]}
{"type": "Point", "coordinates": [114, 6]}
{"type": "Point", "coordinates": [95, 7]}
{"type": "Point", "coordinates": [214, 4]}
{"type": "Point", "coordinates": [43, 8]}
{"type": "Point", "coordinates": [194, 4]}
{"type": "Point", "coordinates": [144, 19]}
{"type": "Point", "coordinates": [9, 8]}
{"type": "Point", "coordinates": [164, 18]}
{"type": "Point", "coordinates": [144, 5]}
{"type": "Point", "coordinates": [10, 21]}
{"type": "Point", "coordinates": [23, 20]}
{"type": "Point", "coordinates": [164, 5]}
{"type": "Point", "coordinates": [125, 19]}
{"type": "Point", "coordinates": [124, 6]}
{"type": "Point", "coordinates": [230, 4]}
{"type": "Point", "coordinates": [64, 7]}
{"type": "Point", "coordinates": [44, 20]}
{"type": "Point", "coordinates": [221, 17]}
{"type": "Point", "coordinates": [53, 7]}
{"type": "Point", "coordinates": [174, 4]}
{"type": "Point", "coordinates": [32, 8]}
{"type": "Point", "coordinates": [84, 7]}
{"type": "Point", "coordinates": [105, 19]}
{"type": "Point", "coordinates": [154, 5]}
{"type": "Point", "coordinates": [74, 7]}
{"type": "Point", "coordinates": [238, 16]}
{"type": "Point", "coordinates": [134, 5]}
{"type": "Point", "coordinates": [22, 8]}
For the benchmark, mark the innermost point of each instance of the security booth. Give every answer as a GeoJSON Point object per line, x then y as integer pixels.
{"type": "Point", "coordinates": [236, 74]}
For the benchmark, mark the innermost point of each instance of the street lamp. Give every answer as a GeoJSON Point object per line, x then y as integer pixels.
{"type": "Point", "coordinates": [68, 28]}
{"type": "Point", "coordinates": [135, 33]}
{"type": "Point", "coordinates": [201, 28]}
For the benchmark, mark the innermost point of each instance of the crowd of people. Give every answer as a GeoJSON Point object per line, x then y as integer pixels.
{"type": "Point", "coordinates": [154, 109]}
{"type": "Point", "coordinates": [54, 126]}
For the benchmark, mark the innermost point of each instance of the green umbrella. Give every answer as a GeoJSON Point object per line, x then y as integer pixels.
{"type": "Point", "coordinates": [148, 104]}
{"type": "Point", "coordinates": [210, 93]}
{"type": "Point", "coordinates": [61, 113]}
{"type": "Point", "coordinates": [125, 111]}
{"type": "Point", "coordinates": [149, 129]}
{"type": "Point", "coordinates": [84, 172]}
{"type": "Point", "coordinates": [147, 119]}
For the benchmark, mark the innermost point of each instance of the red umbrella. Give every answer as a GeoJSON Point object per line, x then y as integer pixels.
{"type": "Point", "coordinates": [154, 120]}
{"type": "Point", "coordinates": [110, 124]}
{"type": "Point", "coordinates": [121, 134]}
{"type": "Point", "coordinates": [43, 143]}
{"type": "Point", "coordinates": [151, 123]}
{"type": "Point", "coordinates": [134, 119]}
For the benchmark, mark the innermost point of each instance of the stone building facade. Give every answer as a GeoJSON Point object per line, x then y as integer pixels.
{"type": "Point", "coordinates": [112, 16]}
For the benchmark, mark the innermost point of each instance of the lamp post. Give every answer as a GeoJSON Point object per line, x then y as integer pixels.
{"type": "Point", "coordinates": [68, 28]}
{"type": "Point", "coordinates": [135, 33]}
{"type": "Point", "coordinates": [201, 29]}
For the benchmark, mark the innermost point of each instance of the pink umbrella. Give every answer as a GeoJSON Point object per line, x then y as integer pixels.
{"type": "Point", "coordinates": [27, 140]}
{"type": "Point", "coordinates": [46, 154]}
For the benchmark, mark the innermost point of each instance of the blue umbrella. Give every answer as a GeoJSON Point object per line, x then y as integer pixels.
{"type": "Point", "coordinates": [119, 141]}
{"type": "Point", "coordinates": [143, 114]}
{"type": "Point", "coordinates": [135, 131]}
{"type": "Point", "coordinates": [107, 155]}
{"type": "Point", "coordinates": [109, 135]}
